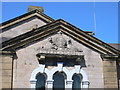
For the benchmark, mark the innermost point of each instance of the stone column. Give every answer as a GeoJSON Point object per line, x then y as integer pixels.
{"type": "Point", "coordinates": [69, 84]}
{"type": "Point", "coordinates": [33, 84]}
{"type": "Point", "coordinates": [85, 85]}
{"type": "Point", "coordinates": [49, 84]}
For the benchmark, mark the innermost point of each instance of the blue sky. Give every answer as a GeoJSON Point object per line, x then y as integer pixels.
{"type": "Point", "coordinates": [80, 14]}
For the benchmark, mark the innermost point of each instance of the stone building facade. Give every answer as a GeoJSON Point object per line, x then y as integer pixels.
{"type": "Point", "coordinates": [40, 52]}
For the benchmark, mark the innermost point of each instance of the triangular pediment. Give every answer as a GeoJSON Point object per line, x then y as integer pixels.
{"type": "Point", "coordinates": [59, 44]}
{"type": "Point", "coordinates": [34, 13]}
{"type": "Point", "coordinates": [23, 24]}
{"type": "Point", "coordinates": [55, 27]}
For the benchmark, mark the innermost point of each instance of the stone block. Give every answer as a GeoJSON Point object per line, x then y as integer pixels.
{"type": "Point", "coordinates": [1, 59]}
{"type": "Point", "coordinates": [6, 79]}
{"type": "Point", "coordinates": [6, 85]}
{"type": "Point", "coordinates": [30, 8]}
{"type": "Point", "coordinates": [111, 86]}
{"type": "Point", "coordinates": [109, 69]}
{"type": "Point", "coordinates": [0, 85]}
{"type": "Point", "coordinates": [111, 83]}
{"type": "Point", "coordinates": [7, 59]}
{"type": "Point", "coordinates": [110, 74]}
{"type": "Point", "coordinates": [0, 78]}
{"type": "Point", "coordinates": [96, 76]}
{"type": "Point", "coordinates": [6, 72]}
{"type": "Point", "coordinates": [109, 63]}
{"type": "Point", "coordinates": [0, 66]}
{"type": "Point", "coordinates": [112, 80]}
{"type": "Point", "coordinates": [7, 66]}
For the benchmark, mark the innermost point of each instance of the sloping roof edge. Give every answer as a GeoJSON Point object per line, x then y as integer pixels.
{"type": "Point", "coordinates": [25, 15]}
{"type": "Point", "coordinates": [53, 27]}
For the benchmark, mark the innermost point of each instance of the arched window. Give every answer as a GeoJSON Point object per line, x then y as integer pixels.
{"type": "Point", "coordinates": [40, 83]}
{"type": "Point", "coordinates": [77, 79]}
{"type": "Point", "coordinates": [59, 81]}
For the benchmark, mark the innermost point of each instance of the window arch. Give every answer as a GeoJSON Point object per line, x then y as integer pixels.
{"type": "Point", "coordinates": [59, 81]}
{"type": "Point", "coordinates": [41, 80]}
{"type": "Point", "coordinates": [66, 73]}
{"type": "Point", "coordinates": [77, 80]}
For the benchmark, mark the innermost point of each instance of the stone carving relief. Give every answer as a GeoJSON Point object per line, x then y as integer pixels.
{"type": "Point", "coordinates": [60, 45]}
{"type": "Point", "coordinates": [63, 47]}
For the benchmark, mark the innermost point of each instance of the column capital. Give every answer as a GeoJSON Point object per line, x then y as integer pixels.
{"type": "Point", "coordinates": [49, 81]}
{"type": "Point", "coordinates": [49, 84]}
{"type": "Point", "coordinates": [85, 83]}
{"type": "Point", "coordinates": [33, 81]}
{"type": "Point", "coordinates": [69, 81]}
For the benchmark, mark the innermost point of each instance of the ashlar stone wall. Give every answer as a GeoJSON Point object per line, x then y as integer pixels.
{"type": "Point", "coordinates": [26, 62]}
{"type": "Point", "coordinates": [6, 65]}
{"type": "Point", "coordinates": [110, 73]}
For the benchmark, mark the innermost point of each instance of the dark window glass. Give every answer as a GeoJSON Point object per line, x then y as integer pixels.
{"type": "Point", "coordinates": [59, 81]}
{"type": "Point", "coordinates": [77, 78]}
{"type": "Point", "coordinates": [40, 83]}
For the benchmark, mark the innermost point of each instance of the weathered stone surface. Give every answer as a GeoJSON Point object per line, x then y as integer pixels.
{"type": "Point", "coordinates": [30, 8]}
{"type": "Point", "coordinates": [0, 78]}
{"type": "Point", "coordinates": [111, 86]}
{"type": "Point", "coordinates": [6, 78]}
{"type": "Point", "coordinates": [27, 62]}
{"type": "Point", "coordinates": [109, 63]}
{"type": "Point", "coordinates": [110, 69]}
{"type": "Point", "coordinates": [113, 80]}
{"type": "Point", "coordinates": [102, 71]}
{"type": "Point", "coordinates": [21, 28]}
{"type": "Point", "coordinates": [6, 85]}
{"type": "Point", "coordinates": [0, 67]}
{"type": "Point", "coordinates": [6, 71]}
{"type": "Point", "coordinates": [6, 59]}
{"type": "Point", "coordinates": [110, 74]}
{"type": "Point", "coordinates": [7, 66]}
